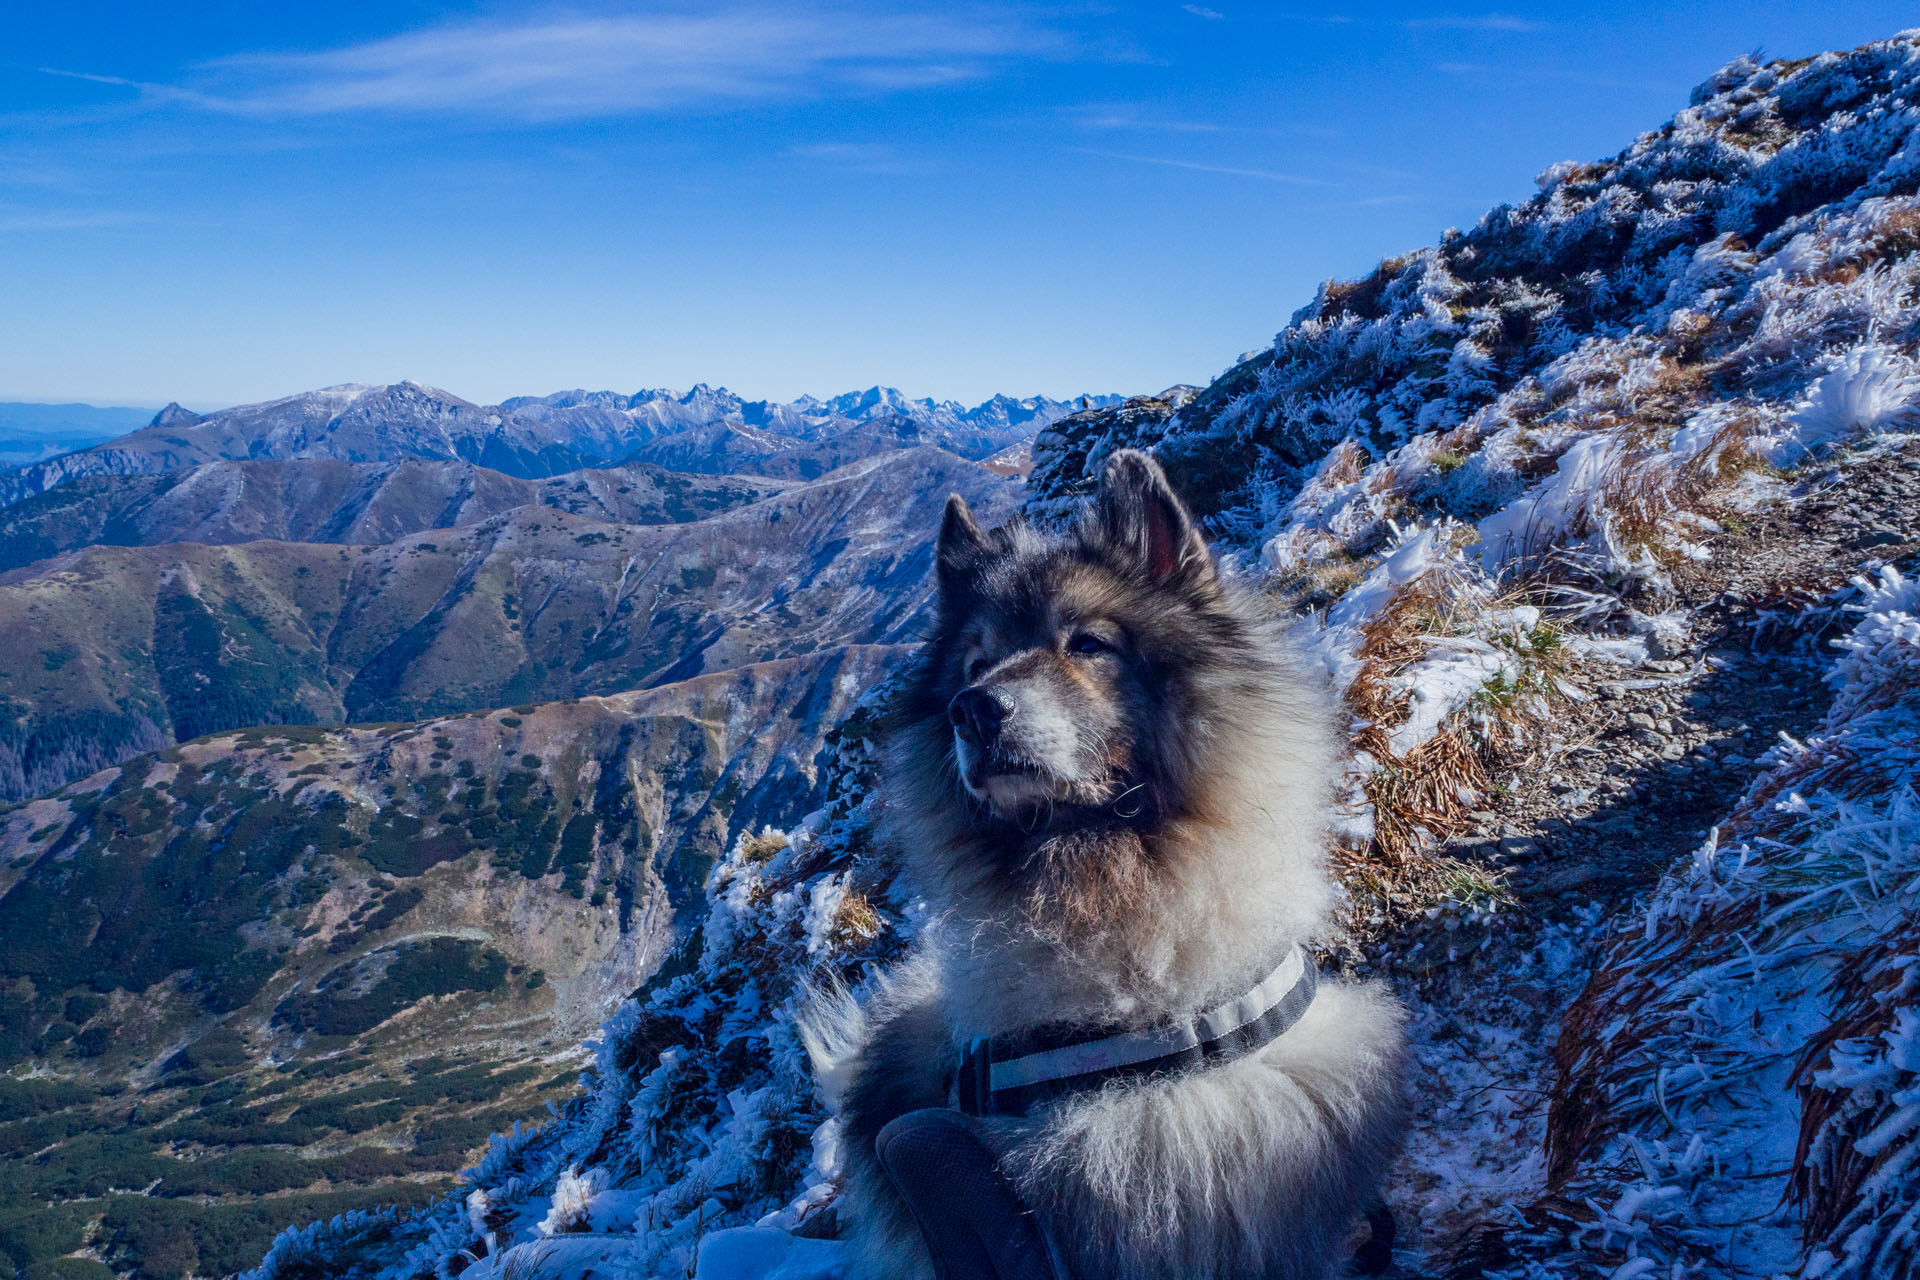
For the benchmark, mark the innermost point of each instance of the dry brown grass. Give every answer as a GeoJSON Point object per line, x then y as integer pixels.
{"type": "Point", "coordinates": [1363, 294]}
{"type": "Point", "coordinates": [855, 921]}
{"type": "Point", "coordinates": [1690, 330]}
{"type": "Point", "coordinates": [1763, 135]}
{"type": "Point", "coordinates": [1648, 505]}
{"type": "Point", "coordinates": [1600, 1057]}
{"type": "Point", "coordinates": [1897, 236]}
{"type": "Point", "coordinates": [1423, 798]}
{"type": "Point", "coordinates": [1345, 463]}
{"type": "Point", "coordinates": [1638, 503]}
{"type": "Point", "coordinates": [1677, 387]}
{"type": "Point", "coordinates": [1644, 496]}
{"type": "Point", "coordinates": [1390, 642]}
{"type": "Point", "coordinates": [1317, 584]}
{"type": "Point", "coordinates": [1836, 273]}
{"type": "Point", "coordinates": [1463, 439]}
{"type": "Point", "coordinates": [1537, 462]}
{"type": "Point", "coordinates": [764, 847]}
{"type": "Point", "coordinates": [1588, 173]}
{"type": "Point", "coordinates": [1729, 456]}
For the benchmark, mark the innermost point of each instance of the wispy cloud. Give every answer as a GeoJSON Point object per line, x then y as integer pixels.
{"type": "Point", "coordinates": [144, 89]}
{"type": "Point", "coordinates": [1265, 175]}
{"type": "Point", "coordinates": [587, 66]}
{"type": "Point", "coordinates": [857, 157]}
{"type": "Point", "coordinates": [1477, 22]}
{"type": "Point", "coordinates": [1103, 118]}
{"type": "Point", "coordinates": [1201, 11]}
{"type": "Point", "coordinates": [1120, 120]}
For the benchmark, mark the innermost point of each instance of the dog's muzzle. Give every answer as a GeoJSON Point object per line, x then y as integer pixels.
{"type": "Point", "coordinates": [977, 714]}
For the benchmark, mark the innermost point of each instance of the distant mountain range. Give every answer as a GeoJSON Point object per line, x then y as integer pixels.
{"type": "Point", "coordinates": [706, 430]}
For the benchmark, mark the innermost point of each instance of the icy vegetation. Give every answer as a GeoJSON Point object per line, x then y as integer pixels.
{"type": "Point", "coordinates": [1522, 487]}
{"type": "Point", "coordinates": [1763, 1012]}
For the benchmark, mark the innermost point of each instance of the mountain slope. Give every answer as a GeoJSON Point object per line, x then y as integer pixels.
{"type": "Point", "coordinates": [321, 500]}
{"type": "Point", "coordinates": [1659, 240]}
{"type": "Point", "coordinates": [120, 650]}
{"type": "Point", "coordinates": [1571, 504]}
{"type": "Point", "coordinates": [413, 925]}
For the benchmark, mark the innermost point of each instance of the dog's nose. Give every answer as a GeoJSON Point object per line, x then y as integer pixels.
{"type": "Point", "coordinates": [976, 715]}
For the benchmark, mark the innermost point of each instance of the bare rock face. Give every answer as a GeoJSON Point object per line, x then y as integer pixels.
{"type": "Point", "coordinates": [1066, 456]}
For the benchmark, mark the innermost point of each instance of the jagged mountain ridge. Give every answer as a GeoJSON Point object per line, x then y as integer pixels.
{"type": "Point", "coordinates": [528, 437]}
{"type": "Point", "coordinates": [126, 649]}
{"type": "Point", "coordinates": [1569, 511]}
{"type": "Point", "coordinates": [731, 448]}
{"type": "Point", "coordinates": [324, 500]}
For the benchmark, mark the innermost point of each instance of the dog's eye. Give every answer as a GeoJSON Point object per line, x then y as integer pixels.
{"type": "Point", "coordinates": [1085, 642]}
{"type": "Point", "coordinates": [975, 668]}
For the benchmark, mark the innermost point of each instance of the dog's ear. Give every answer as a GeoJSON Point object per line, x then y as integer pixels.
{"type": "Point", "coordinates": [1138, 514]}
{"type": "Point", "coordinates": [961, 546]}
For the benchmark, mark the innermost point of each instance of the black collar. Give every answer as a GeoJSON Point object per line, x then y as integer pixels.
{"type": "Point", "coordinates": [1008, 1075]}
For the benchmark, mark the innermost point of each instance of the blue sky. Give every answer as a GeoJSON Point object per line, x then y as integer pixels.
{"type": "Point", "coordinates": [226, 202]}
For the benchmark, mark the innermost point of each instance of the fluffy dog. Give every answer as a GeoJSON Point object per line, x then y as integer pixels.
{"type": "Point", "coordinates": [1107, 776]}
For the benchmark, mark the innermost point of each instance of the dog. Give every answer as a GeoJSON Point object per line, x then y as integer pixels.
{"type": "Point", "coordinates": [1107, 774]}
